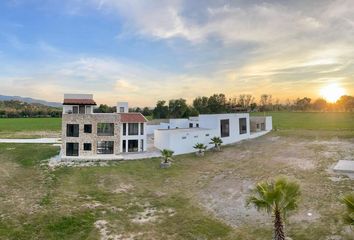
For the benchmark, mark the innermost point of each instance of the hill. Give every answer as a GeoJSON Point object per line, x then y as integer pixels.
{"type": "Point", "coordinates": [15, 108]}
{"type": "Point", "coordinates": [30, 100]}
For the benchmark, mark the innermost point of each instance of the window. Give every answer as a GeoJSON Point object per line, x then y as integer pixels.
{"type": "Point", "coordinates": [124, 129]}
{"type": "Point", "coordinates": [184, 137]}
{"type": "Point", "coordinates": [75, 109]}
{"type": "Point", "coordinates": [263, 126]}
{"type": "Point", "coordinates": [87, 128]}
{"type": "Point", "coordinates": [133, 129]}
{"type": "Point", "coordinates": [88, 109]}
{"type": "Point", "coordinates": [87, 146]}
{"type": "Point", "coordinates": [142, 145]}
{"type": "Point", "coordinates": [105, 147]}
{"type": "Point", "coordinates": [141, 128]}
{"type": "Point", "coordinates": [105, 129]}
{"type": "Point", "coordinates": [72, 130]}
{"type": "Point", "coordinates": [133, 146]}
{"type": "Point", "coordinates": [72, 149]}
{"type": "Point", "coordinates": [257, 125]}
{"type": "Point", "coordinates": [225, 127]}
{"type": "Point", "coordinates": [197, 125]}
{"type": "Point", "coordinates": [190, 125]}
{"type": "Point", "coordinates": [82, 109]}
{"type": "Point", "coordinates": [243, 125]}
{"type": "Point", "coordinates": [207, 135]}
{"type": "Point", "coordinates": [124, 145]}
{"type": "Point", "coordinates": [121, 109]}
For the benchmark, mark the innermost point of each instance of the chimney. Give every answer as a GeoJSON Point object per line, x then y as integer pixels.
{"type": "Point", "coordinates": [122, 107]}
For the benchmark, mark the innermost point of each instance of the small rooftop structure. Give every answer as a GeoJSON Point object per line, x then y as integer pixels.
{"type": "Point", "coordinates": [79, 99]}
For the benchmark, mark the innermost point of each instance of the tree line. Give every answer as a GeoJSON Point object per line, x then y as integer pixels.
{"type": "Point", "coordinates": [219, 103]}
{"type": "Point", "coordinates": [19, 109]}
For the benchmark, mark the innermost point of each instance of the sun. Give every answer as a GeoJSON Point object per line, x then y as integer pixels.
{"type": "Point", "coordinates": [332, 92]}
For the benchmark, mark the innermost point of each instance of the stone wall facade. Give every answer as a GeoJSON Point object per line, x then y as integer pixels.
{"type": "Point", "coordinates": [93, 138]}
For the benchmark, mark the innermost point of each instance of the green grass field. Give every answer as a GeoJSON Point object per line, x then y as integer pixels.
{"type": "Point", "coordinates": [311, 120]}
{"type": "Point", "coordinates": [29, 127]}
{"type": "Point", "coordinates": [29, 124]}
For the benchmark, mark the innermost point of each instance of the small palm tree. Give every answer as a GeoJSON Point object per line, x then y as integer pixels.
{"type": "Point", "coordinates": [348, 200]}
{"type": "Point", "coordinates": [200, 147]}
{"type": "Point", "coordinates": [167, 155]}
{"type": "Point", "coordinates": [217, 142]}
{"type": "Point", "coordinates": [276, 197]}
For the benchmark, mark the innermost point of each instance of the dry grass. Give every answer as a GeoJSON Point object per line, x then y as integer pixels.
{"type": "Point", "coordinates": [197, 198]}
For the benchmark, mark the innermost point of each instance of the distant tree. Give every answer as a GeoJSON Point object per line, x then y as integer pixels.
{"type": "Point", "coordinates": [348, 200]}
{"type": "Point", "coordinates": [177, 108]}
{"type": "Point", "coordinates": [245, 100]}
{"type": "Point", "coordinates": [265, 103]}
{"type": "Point", "coordinates": [191, 112]}
{"type": "Point", "coordinates": [146, 111]}
{"type": "Point", "coordinates": [346, 103]}
{"type": "Point", "coordinates": [303, 104]}
{"type": "Point", "coordinates": [320, 104]}
{"type": "Point", "coordinates": [201, 105]}
{"type": "Point", "coordinates": [276, 197]}
{"type": "Point", "coordinates": [217, 103]}
{"type": "Point", "coordinates": [161, 110]}
{"type": "Point", "coordinates": [103, 108]}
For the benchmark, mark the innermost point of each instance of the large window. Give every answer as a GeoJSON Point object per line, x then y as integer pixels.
{"type": "Point", "coordinates": [72, 130]}
{"type": "Point", "coordinates": [105, 147]}
{"type": "Point", "coordinates": [87, 128]}
{"type": "Point", "coordinates": [225, 127]}
{"type": "Point", "coordinates": [105, 129]}
{"type": "Point", "coordinates": [72, 149]}
{"type": "Point", "coordinates": [133, 145]}
{"type": "Point", "coordinates": [124, 146]}
{"type": "Point", "coordinates": [133, 129]}
{"type": "Point", "coordinates": [243, 125]}
{"type": "Point", "coordinates": [82, 109]}
{"type": "Point", "coordinates": [141, 128]}
{"type": "Point", "coordinates": [124, 129]}
{"type": "Point", "coordinates": [75, 109]}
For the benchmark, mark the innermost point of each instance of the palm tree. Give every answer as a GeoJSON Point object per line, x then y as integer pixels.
{"type": "Point", "coordinates": [167, 155]}
{"type": "Point", "coordinates": [201, 148]}
{"type": "Point", "coordinates": [217, 142]}
{"type": "Point", "coordinates": [348, 200]}
{"type": "Point", "coordinates": [276, 197]}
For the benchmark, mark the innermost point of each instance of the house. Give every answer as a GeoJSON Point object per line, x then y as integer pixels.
{"type": "Point", "coordinates": [181, 135]}
{"type": "Point", "coordinates": [85, 133]}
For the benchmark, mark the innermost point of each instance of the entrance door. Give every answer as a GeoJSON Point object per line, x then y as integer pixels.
{"type": "Point", "coordinates": [133, 146]}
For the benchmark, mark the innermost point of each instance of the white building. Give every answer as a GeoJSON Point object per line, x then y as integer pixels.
{"type": "Point", "coordinates": [181, 135]}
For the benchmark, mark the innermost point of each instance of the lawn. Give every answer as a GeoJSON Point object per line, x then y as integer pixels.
{"type": "Point", "coordinates": [311, 120]}
{"type": "Point", "coordinates": [29, 127]}
{"type": "Point", "coordinates": [197, 198]}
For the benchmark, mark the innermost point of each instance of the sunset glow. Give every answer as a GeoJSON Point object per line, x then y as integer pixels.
{"type": "Point", "coordinates": [332, 92]}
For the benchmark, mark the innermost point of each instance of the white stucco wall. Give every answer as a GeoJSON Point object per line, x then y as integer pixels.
{"type": "Point", "coordinates": [182, 140]}
{"type": "Point", "coordinates": [212, 121]}
{"type": "Point", "coordinates": [269, 123]}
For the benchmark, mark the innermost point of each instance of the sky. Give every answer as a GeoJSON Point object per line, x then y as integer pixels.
{"type": "Point", "coordinates": [142, 51]}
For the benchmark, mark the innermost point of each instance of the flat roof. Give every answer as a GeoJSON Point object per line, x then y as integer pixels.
{"type": "Point", "coordinates": [184, 129]}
